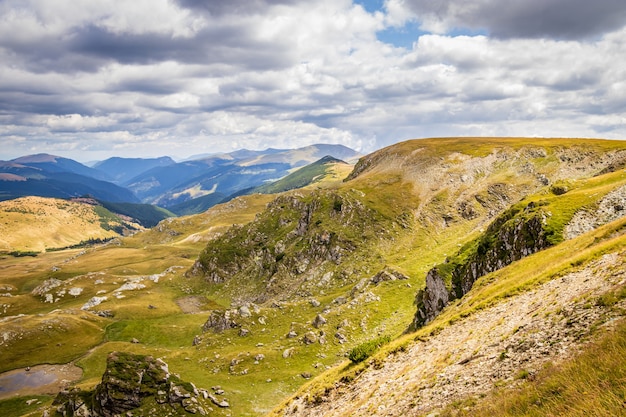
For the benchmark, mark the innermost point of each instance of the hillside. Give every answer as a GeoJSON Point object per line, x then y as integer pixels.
{"type": "Point", "coordinates": [264, 298]}
{"type": "Point", "coordinates": [38, 224]}
{"type": "Point", "coordinates": [307, 175]}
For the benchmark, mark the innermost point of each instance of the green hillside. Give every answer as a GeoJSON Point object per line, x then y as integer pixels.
{"type": "Point", "coordinates": [268, 296]}
{"type": "Point", "coordinates": [304, 176]}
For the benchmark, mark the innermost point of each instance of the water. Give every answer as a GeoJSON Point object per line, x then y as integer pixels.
{"type": "Point", "coordinates": [18, 380]}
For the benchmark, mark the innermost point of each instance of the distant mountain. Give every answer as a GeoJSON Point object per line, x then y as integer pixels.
{"type": "Point", "coordinates": [151, 185]}
{"type": "Point", "coordinates": [52, 163]}
{"type": "Point", "coordinates": [159, 181]}
{"type": "Point", "coordinates": [225, 174]}
{"type": "Point", "coordinates": [52, 176]}
{"type": "Point", "coordinates": [121, 170]}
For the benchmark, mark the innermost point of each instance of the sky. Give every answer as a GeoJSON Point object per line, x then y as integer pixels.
{"type": "Point", "coordinates": [91, 79]}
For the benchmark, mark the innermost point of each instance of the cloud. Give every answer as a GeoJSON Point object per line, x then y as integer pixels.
{"type": "Point", "coordinates": [94, 79]}
{"type": "Point", "coordinates": [234, 7]}
{"type": "Point", "coordinates": [562, 19]}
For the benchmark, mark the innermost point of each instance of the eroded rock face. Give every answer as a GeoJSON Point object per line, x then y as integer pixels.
{"type": "Point", "coordinates": [434, 298]}
{"type": "Point", "coordinates": [611, 207]}
{"type": "Point", "coordinates": [127, 379]}
{"type": "Point", "coordinates": [129, 383]}
{"type": "Point", "coordinates": [512, 236]}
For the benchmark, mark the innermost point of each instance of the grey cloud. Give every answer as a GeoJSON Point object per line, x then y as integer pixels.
{"type": "Point", "coordinates": [239, 7]}
{"type": "Point", "coordinates": [89, 48]}
{"type": "Point", "coordinates": [148, 85]}
{"type": "Point", "coordinates": [43, 104]}
{"type": "Point", "coordinates": [232, 44]}
{"type": "Point", "coordinates": [560, 19]}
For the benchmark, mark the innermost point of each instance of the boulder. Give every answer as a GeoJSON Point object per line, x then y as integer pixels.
{"type": "Point", "coordinates": [219, 321]}
{"type": "Point", "coordinates": [319, 321]}
{"type": "Point", "coordinates": [309, 338]}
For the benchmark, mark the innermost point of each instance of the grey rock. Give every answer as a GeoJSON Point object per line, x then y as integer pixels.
{"type": "Point", "coordinates": [319, 321]}
{"type": "Point", "coordinates": [309, 338]}
{"type": "Point", "coordinates": [244, 311]}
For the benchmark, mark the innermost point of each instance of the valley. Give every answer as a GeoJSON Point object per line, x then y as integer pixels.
{"type": "Point", "coordinates": [259, 300]}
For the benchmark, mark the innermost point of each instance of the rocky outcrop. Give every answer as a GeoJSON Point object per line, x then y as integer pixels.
{"type": "Point", "coordinates": [291, 243]}
{"type": "Point", "coordinates": [388, 274]}
{"type": "Point", "coordinates": [433, 298]}
{"type": "Point", "coordinates": [517, 233]}
{"type": "Point", "coordinates": [611, 207]}
{"type": "Point", "coordinates": [130, 383]}
{"type": "Point", "coordinates": [219, 321]}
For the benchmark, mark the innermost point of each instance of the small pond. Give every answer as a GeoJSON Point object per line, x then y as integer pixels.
{"type": "Point", "coordinates": [41, 379]}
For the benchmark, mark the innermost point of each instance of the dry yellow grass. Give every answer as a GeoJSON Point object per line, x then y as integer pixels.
{"type": "Point", "coordinates": [37, 224]}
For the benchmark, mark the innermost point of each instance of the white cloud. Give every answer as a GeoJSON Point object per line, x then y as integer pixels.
{"type": "Point", "coordinates": [285, 73]}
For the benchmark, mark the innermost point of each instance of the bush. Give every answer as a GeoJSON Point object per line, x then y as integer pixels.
{"type": "Point", "coordinates": [365, 350]}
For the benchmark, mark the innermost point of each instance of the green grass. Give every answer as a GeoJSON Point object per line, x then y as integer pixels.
{"type": "Point", "coordinates": [16, 407]}
{"type": "Point", "coordinates": [54, 338]}
{"type": "Point", "coordinates": [363, 351]}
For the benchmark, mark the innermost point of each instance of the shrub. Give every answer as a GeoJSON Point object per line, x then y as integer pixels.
{"type": "Point", "coordinates": [365, 350]}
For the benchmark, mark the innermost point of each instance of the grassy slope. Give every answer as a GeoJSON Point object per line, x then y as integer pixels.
{"type": "Point", "coordinates": [36, 223]}
{"type": "Point", "coordinates": [592, 383]}
{"type": "Point", "coordinates": [310, 174]}
{"type": "Point", "coordinates": [394, 190]}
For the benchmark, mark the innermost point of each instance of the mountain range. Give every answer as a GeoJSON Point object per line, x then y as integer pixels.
{"type": "Point", "coordinates": [158, 181]}
{"type": "Point", "coordinates": [449, 276]}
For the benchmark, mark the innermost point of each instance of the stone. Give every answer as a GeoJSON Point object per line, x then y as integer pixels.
{"type": "Point", "coordinates": [219, 321]}
{"type": "Point", "coordinates": [343, 323]}
{"type": "Point", "coordinates": [219, 403]}
{"type": "Point", "coordinates": [244, 311]}
{"type": "Point", "coordinates": [309, 338]}
{"type": "Point", "coordinates": [291, 334]}
{"type": "Point", "coordinates": [319, 321]}
{"type": "Point", "coordinates": [315, 303]}
{"type": "Point", "coordinates": [288, 353]}
{"type": "Point", "coordinates": [340, 300]}
{"type": "Point", "coordinates": [341, 338]}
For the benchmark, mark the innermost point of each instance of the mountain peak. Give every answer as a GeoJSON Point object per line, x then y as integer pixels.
{"type": "Point", "coordinates": [36, 158]}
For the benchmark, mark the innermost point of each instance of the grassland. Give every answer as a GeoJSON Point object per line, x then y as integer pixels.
{"type": "Point", "coordinates": [408, 191]}
{"type": "Point", "coordinates": [36, 224]}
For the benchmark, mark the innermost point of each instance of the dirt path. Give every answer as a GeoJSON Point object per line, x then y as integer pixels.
{"type": "Point", "coordinates": [38, 380]}
{"type": "Point", "coordinates": [493, 346]}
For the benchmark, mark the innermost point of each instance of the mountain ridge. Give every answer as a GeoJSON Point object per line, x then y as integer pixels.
{"type": "Point", "coordinates": [267, 296]}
